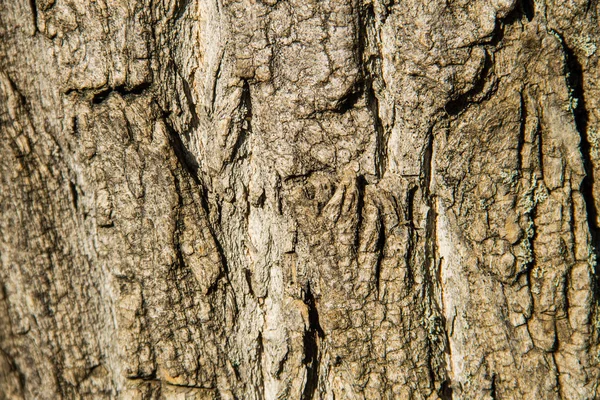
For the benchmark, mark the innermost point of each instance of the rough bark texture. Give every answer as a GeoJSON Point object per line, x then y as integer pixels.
{"type": "Point", "coordinates": [299, 199]}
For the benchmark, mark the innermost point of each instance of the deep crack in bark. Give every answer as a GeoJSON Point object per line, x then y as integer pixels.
{"type": "Point", "coordinates": [312, 356]}
{"type": "Point", "coordinates": [573, 73]}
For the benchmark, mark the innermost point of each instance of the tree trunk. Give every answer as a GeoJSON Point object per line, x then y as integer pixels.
{"type": "Point", "coordinates": [299, 199]}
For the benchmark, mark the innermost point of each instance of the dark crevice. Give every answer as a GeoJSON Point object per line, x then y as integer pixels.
{"type": "Point", "coordinates": [493, 389]}
{"type": "Point", "coordinates": [215, 83]}
{"type": "Point", "coordinates": [281, 365]}
{"type": "Point", "coordinates": [539, 141]}
{"type": "Point", "coordinates": [260, 350]}
{"type": "Point", "coordinates": [337, 361]}
{"type": "Point", "coordinates": [438, 339]}
{"type": "Point", "coordinates": [312, 358]}
{"type": "Point", "coordinates": [34, 15]}
{"type": "Point", "coordinates": [313, 315]}
{"type": "Point", "coordinates": [380, 248]}
{"type": "Point", "coordinates": [574, 78]}
{"type": "Point", "coordinates": [365, 16]}
{"type": "Point", "coordinates": [245, 115]}
{"type": "Point", "coordinates": [446, 390]}
{"type": "Point", "coordinates": [169, 383]}
{"type": "Point", "coordinates": [559, 387]}
{"type": "Point", "coordinates": [371, 65]}
{"type": "Point", "coordinates": [345, 103]}
{"type": "Point", "coordinates": [495, 37]}
{"type": "Point", "coordinates": [522, 132]}
{"type": "Point", "coordinates": [75, 126]}
{"type": "Point", "coordinates": [191, 104]}
{"type": "Point", "coordinates": [215, 285]}
{"type": "Point", "coordinates": [412, 234]}
{"type": "Point", "coordinates": [573, 72]}
{"type": "Point", "coordinates": [16, 89]}
{"type": "Point", "coordinates": [101, 96]}
{"type": "Point", "coordinates": [564, 289]}
{"type": "Point", "coordinates": [179, 224]}
{"type": "Point", "coordinates": [528, 9]}
{"type": "Point", "coordinates": [461, 102]}
{"type": "Point", "coordinates": [430, 356]}
{"type": "Point", "coordinates": [248, 276]}
{"type": "Point", "coordinates": [589, 5]}
{"type": "Point", "coordinates": [180, 8]}
{"type": "Point", "coordinates": [123, 90]}
{"type": "Point", "coordinates": [348, 100]}
{"type": "Point", "coordinates": [185, 157]}
{"type": "Point", "coordinates": [380, 140]}
{"type": "Point", "coordinates": [188, 162]}
{"type": "Point", "coordinates": [297, 178]}
{"type": "Point", "coordinates": [74, 195]}
{"type": "Point", "coordinates": [224, 272]}
{"type": "Point", "coordinates": [236, 371]}
{"type": "Point", "coordinates": [427, 166]}
{"type": "Point", "coordinates": [360, 204]}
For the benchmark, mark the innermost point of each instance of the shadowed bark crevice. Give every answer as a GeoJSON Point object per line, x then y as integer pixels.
{"type": "Point", "coordinates": [360, 203]}
{"type": "Point", "coordinates": [369, 55]}
{"type": "Point", "coordinates": [573, 73]}
{"type": "Point", "coordinates": [446, 390]}
{"type": "Point", "coordinates": [528, 8]}
{"type": "Point", "coordinates": [244, 110]}
{"type": "Point", "coordinates": [34, 15]}
{"type": "Point", "coordinates": [74, 194]}
{"type": "Point", "coordinates": [312, 356]}
{"type": "Point", "coordinates": [100, 96]}
{"type": "Point", "coordinates": [185, 157]}
{"type": "Point", "coordinates": [460, 103]}
{"type": "Point", "coordinates": [380, 249]}
{"type": "Point", "coordinates": [189, 97]}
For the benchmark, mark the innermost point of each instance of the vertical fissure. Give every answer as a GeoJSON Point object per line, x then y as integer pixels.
{"type": "Point", "coordinates": [215, 85]}
{"type": "Point", "coordinates": [312, 356]}
{"type": "Point", "coordinates": [528, 8]}
{"type": "Point", "coordinates": [438, 335]}
{"type": "Point", "coordinates": [371, 69]}
{"type": "Point", "coordinates": [412, 235]}
{"type": "Point", "coordinates": [188, 162]}
{"type": "Point", "coordinates": [573, 72]}
{"type": "Point", "coordinates": [522, 131]}
{"type": "Point", "coordinates": [493, 389]}
{"type": "Point", "coordinates": [74, 194]}
{"type": "Point", "coordinates": [380, 141]}
{"type": "Point", "coordinates": [360, 203]}
{"type": "Point", "coordinates": [189, 97]}
{"type": "Point", "coordinates": [178, 223]}
{"type": "Point", "coordinates": [185, 157]}
{"type": "Point", "coordinates": [34, 16]}
{"type": "Point", "coordinates": [260, 351]}
{"type": "Point", "coordinates": [380, 248]}
{"type": "Point", "coordinates": [245, 120]}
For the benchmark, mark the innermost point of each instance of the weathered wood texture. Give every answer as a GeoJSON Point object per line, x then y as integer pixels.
{"type": "Point", "coordinates": [299, 199]}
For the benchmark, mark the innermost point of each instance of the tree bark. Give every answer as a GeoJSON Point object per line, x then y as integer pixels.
{"type": "Point", "coordinates": [299, 199]}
